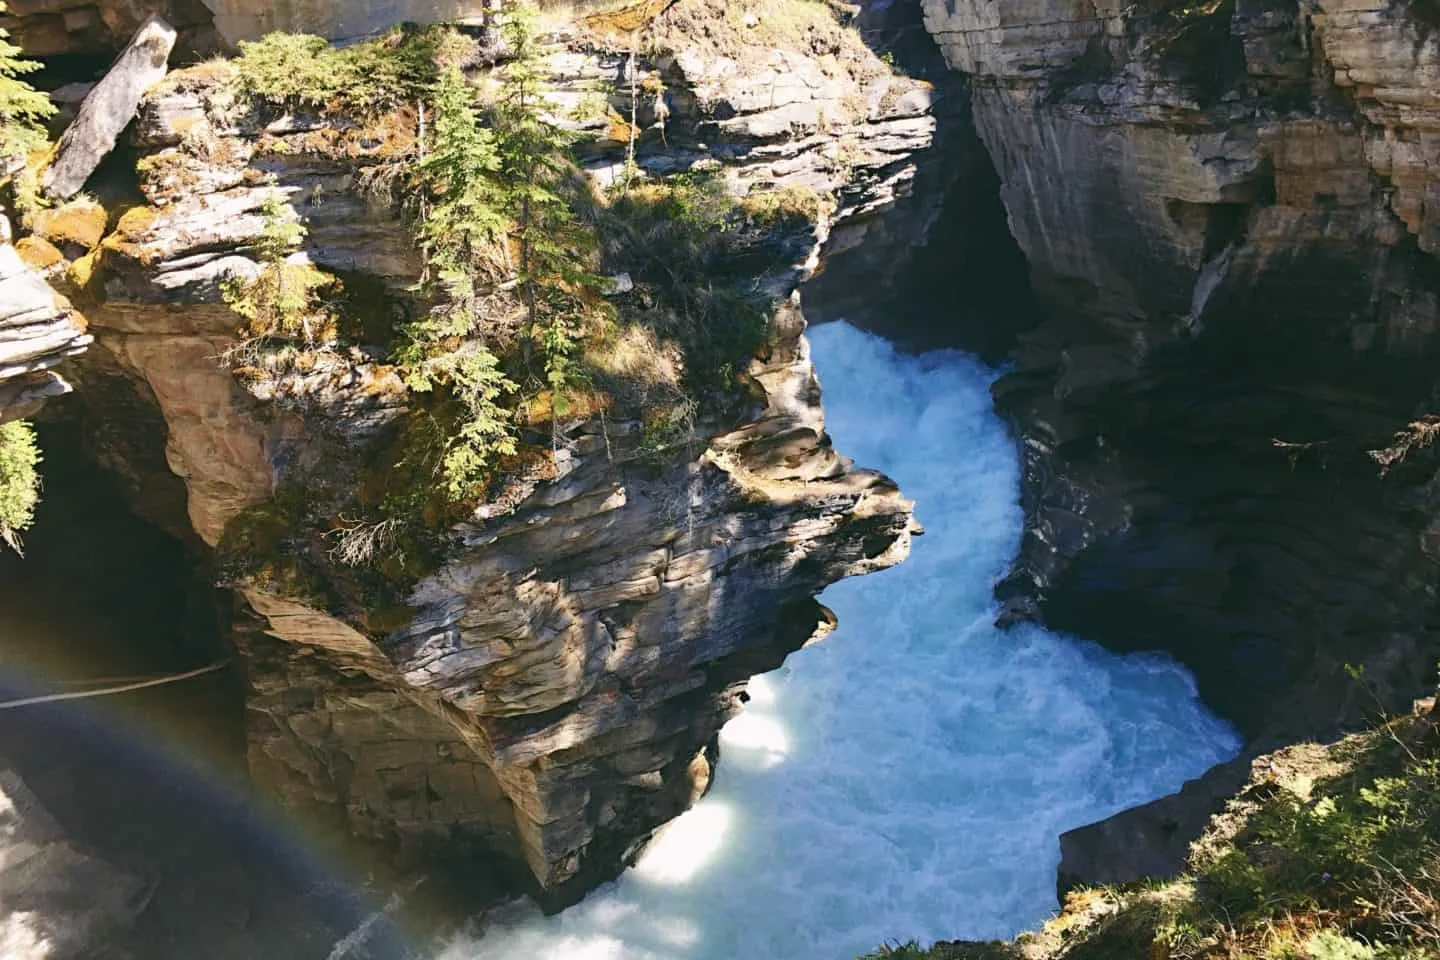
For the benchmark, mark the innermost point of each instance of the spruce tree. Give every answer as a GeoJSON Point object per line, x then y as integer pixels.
{"type": "Point", "coordinates": [22, 108]}
{"type": "Point", "coordinates": [19, 481]}
{"type": "Point", "coordinates": [556, 283]}
{"type": "Point", "coordinates": [462, 230]}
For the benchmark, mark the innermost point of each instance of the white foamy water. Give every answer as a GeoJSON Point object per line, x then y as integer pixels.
{"type": "Point", "coordinates": [909, 776]}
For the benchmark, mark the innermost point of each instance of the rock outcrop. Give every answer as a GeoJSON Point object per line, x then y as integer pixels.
{"type": "Point", "coordinates": [549, 692]}
{"type": "Point", "coordinates": [98, 28]}
{"type": "Point", "coordinates": [108, 109]}
{"type": "Point", "coordinates": [1229, 214]}
{"type": "Point", "coordinates": [38, 330]}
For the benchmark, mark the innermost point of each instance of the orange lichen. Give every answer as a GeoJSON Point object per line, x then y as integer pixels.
{"type": "Point", "coordinates": [80, 222]}
{"type": "Point", "coordinates": [39, 252]}
{"type": "Point", "coordinates": [130, 232]}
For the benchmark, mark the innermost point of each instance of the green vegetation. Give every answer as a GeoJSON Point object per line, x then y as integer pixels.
{"type": "Point", "coordinates": [509, 263]}
{"type": "Point", "coordinates": [517, 329]}
{"type": "Point", "coordinates": [558, 288]}
{"type": "Point", "coordinates": [23, 109]}
{"type": "Point", "coordinates": [23, 112]}
{"type": "Point", "coordinates": [19, 481]}
{"type": "Point", "coordinates": [461, 227]}
{"type": "Point", "coordinates": [284, 300]}
{"type": "Point", "coordinates": [299, 70]}
{"type": "Point", "coordinates": [696, 252]}
{"type": "Point", "coordinates": [1331, 853]}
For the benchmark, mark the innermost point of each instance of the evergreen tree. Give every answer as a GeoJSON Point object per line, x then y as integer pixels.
{"type": "Point", "coordinates": [555, 250]}
{"type": "Point", "coordinates": [462, 230]}
{"type": "Point", "coordinates": [22, 108]}
{"type": "Point", "coordinates": [19, 480]}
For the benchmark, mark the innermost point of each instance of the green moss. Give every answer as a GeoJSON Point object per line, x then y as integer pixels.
{"type": "Point", "coordinates": [389, 617]}
{"type": "Point", "coordinates": [269, 544]}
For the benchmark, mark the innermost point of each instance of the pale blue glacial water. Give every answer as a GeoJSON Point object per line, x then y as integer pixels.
{"type": "Point", "coordinates": [909, 776]}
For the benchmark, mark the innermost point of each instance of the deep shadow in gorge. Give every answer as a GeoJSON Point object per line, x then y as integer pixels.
{"type": "Point", "coordinates": [151, 782]}
{"type": "Point", "coordinates": [941, 269]}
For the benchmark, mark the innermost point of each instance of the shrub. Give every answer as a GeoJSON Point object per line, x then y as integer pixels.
{"type": "Point", "coordinates": [284, 299]}
{"type": "Point", "coordinates": [696, 252]}
{"type": "Point", "coordinates": [788, 206]}
{"type": "Point", "coordinates": [300, 70]}
{"type": "Point", "coordinates": [19, 481]}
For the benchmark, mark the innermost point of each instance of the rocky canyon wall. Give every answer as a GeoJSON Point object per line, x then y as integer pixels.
{"type": "Point", "coordinates": [1229, 212]}
{"type": "Point", "coordinates": [548, 689]}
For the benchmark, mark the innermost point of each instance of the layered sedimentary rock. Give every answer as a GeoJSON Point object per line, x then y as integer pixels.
{"type": "Point", "coordinates": [550, 693]}
{"type": "Point", "coordinates": [1229, 214]}
{"type": "Point", "coordinates": [47, 28]}
{"type": "Point", "coordinates": [38, 330]}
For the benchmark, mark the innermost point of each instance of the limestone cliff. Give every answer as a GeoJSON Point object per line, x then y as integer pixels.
{"type": "Point", "coordinates": [1229, 214]}
{"type": "Point", "coordinates": [548, 688]}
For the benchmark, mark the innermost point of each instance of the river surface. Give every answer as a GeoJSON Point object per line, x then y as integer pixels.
{"type": "Point", "coordinates": [909, 777]}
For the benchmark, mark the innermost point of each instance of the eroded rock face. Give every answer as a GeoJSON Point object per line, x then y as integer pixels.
{"type": "Point", "coordinates": [1229, 216]}
{"type": "Point", "coordinates": [47, 28]}
{"type": "Point", "coordinates": [1225, 213]}
{"type": "Point", "coordinates": [38, 330]}
{"type": "Point", "coordinates": [552, 692]}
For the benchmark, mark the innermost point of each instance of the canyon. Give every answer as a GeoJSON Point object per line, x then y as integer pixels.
{"type": "Point", "coordinates": [1202, 238]}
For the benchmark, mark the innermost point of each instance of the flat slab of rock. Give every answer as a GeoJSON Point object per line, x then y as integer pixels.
{"type": "Point", "coordinates": [38, 329]}
{"type": "Point", "coordinates": [109, 108]}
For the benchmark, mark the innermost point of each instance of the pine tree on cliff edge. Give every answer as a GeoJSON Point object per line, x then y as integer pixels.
{"type": "Point", "coordinates": [22, 108]}
{"type": "Point", "coordinates": [555, 250]}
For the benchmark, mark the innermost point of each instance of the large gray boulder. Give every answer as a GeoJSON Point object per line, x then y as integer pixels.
{"type": "Point", "coordinates": [109, 108]}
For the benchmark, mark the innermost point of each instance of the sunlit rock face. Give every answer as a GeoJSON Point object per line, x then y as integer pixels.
{"type": "Point", "coordinates": [553, 690]}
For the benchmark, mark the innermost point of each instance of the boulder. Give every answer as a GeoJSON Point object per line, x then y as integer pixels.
{"type": "Point", "coordinates": [109, 108]}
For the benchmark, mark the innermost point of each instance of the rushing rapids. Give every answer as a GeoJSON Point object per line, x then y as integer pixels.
{"type": "Point", "coordinates": [910, 775]}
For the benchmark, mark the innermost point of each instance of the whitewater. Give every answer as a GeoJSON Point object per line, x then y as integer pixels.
{"type": "Point", "coordinates": [909, 777]}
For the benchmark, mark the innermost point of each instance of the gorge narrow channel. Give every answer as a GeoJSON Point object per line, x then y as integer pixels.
{"type": "Point", "coordinates": [909, 776]}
